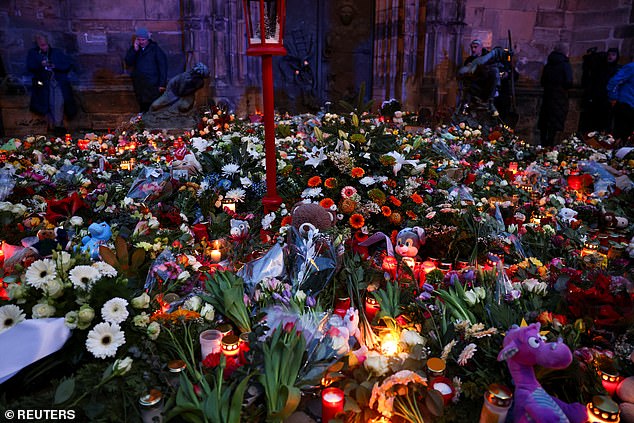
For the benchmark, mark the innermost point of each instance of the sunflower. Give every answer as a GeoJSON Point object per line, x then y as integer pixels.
{"type": "Point", "coordinates": [104, 340]}
{"type": "Point", "coordinates": [84, 276]}
{"type": "Point", "coordinates": [315, 181]}
{"type": "Point", "coordinates": [115, 311]}
{"type": "Point", "coordinates": [10, 315]}
{"type": "Point", "coordinates": [40, 272]}
{"type": "Point", "coordinates": [357, 172]}
{"type": "Point", "coordinates": [357, 221]}
{"type": "Point", "coordinates": [330, 183]}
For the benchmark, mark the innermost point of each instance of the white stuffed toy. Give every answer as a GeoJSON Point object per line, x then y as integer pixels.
{"type": "Point", "coordinates": [567, 215]}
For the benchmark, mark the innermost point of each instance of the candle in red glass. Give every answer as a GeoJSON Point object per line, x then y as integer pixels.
{"type": "Point", "coordinates": [332, 400]}
{"type": "Point", "coordinates": [444, 386]}
{"type": "Point", "coordinates": [372, 307]}
{"type": "Point", "coordinates": [609, 381]}
{"type": "Point", "coordinates": [342, 305]}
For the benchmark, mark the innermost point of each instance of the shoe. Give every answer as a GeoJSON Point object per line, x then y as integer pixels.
{"type": "Point", "coordinates": [494, 112]}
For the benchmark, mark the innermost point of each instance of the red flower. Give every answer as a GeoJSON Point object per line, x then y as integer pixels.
{"type": "Point", "coordinates": [59, 210]}
{"type": "Point", "coordinates": [357, 221]}
{"type": "Point", "coordinates": [326, 203]}
{"type": "Point", "coordinates": [315, 181]}
{"type": "Point", "coordinates": [212, 360]}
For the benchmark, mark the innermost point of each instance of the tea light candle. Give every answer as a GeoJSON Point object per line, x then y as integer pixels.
{"type": "Point", "coordinates": [210, 342]}
{"type": "Point", "coordinates": [332, 400]}
{"type": "Point", "coordinates": [230, 345]}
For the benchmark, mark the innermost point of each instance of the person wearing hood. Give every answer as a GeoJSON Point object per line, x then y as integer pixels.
{"type": "Point", "coordinates": [149, 74]}
{"type": "Point", "coordinates": [556, 80]}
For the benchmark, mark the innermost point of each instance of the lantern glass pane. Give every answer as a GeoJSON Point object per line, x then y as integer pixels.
{"type": "Point", "coordinates": [271, 22]}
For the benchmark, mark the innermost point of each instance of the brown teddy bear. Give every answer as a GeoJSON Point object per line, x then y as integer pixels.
{"type": "Point", "coordinates": [307, 215]}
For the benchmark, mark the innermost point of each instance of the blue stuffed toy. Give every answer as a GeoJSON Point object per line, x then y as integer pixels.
{"type": "Point", "coordinates": [100, 234]}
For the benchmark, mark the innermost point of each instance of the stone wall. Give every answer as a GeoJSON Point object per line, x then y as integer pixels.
{"type": "Point", "coordinates": [421, 67]}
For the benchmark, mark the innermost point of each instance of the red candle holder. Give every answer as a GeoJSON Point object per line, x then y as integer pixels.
{"type": "Point", "coordinates": [332, 400]}
{"type": "Point", "coordinates": [372, 307]}
{"type": "Point", "coordinates": [342, 305]}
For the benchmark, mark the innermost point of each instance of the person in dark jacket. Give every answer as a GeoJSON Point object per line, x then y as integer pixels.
{"type": "Point", "coordinates": [149, 74]}
{"type": "Point", "coordinates": [556, 79]}
{"type": "Point", "coordinates": [52, 94]}
{"type": "Point", "coordinates": [598, 68]}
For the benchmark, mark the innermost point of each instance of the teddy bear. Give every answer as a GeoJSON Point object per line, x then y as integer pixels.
{"type": "Point", "coordinates": [307, 216]}
{"type": "Point", "coordinates": [100, 234]}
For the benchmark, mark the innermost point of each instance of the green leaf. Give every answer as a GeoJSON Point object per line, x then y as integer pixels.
{"type": "Point", "coordinates": [434, 403]}
{"type": "Point", "coordinates": [64, 391]}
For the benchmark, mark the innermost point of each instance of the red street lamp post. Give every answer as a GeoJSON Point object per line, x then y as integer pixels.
{"type": "Point", "coordinates": [265, 34]}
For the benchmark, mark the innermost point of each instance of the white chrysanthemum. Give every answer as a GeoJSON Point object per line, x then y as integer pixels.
{"type": "Point", "coordinates": [40, 272]}
{"type": "Point", "coordinates": [105, 269]}
{"type": "Point", "coordinates": [115, 311]}
{"type": "Point", "coordinates": [230, 169]}
{"type": "Point", "coordinates": [84, 276]}
{"type": "Point", "coordinates": [10, 315]}
{"type": "Point", "coordinates": [104, 340]}
{"type": "Point", "coordinates": [236, 194]}
{"type": "Point", "coordinates": [311, 192]}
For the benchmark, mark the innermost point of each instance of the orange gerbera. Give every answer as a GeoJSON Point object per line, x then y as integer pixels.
{"type": "Point", "coordinates": [330, 183]}
{"type": "Point", "coordinates": [386, 211]}
{"type": "Point", "coordinates": [416, 198]}
{"type": "Point", "coordinates": [286, 220]}
{"type": "Point", "coordinates": [357, 221]}
{"type": "Point", "coordinates": [395, 201]}
{"type": "Point", "coordinates": [315, 181]}
{"type": "Point", "coordinates": [357, 172]}
{"type": "Point", "coordinates": [411, 215]}
{"type": "Point", "coordinates": [390, 183]}
{"type": "Point", "coordinates": [326, 203]}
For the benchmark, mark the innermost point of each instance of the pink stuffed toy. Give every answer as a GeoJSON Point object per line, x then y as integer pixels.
{"type": "Point", "coordinates": [523, 348]}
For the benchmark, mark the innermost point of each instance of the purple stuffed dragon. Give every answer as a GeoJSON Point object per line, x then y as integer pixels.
{"type": "Point", "coordinates": [524, 348]}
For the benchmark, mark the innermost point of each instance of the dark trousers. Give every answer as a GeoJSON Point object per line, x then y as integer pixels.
{"type": "Point", "coordinates": [623, 121]}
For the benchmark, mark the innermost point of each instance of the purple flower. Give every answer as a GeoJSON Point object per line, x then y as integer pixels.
{"type": "Point", "coordinates": [310, 301]}
{"type": "Point", "coordinates": [424, 296]}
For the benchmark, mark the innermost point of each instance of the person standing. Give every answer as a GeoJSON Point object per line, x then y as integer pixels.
{"type": "Point", "coordinates": [149, 74]}
{"type": "Point", "coordinates": [51, 94]}
{"type": "Point", "coordinates": [621, 94]}
{"type": "Point", "coordinates": [556, 80]}
{"type": "Point", "coordinates": [598, 69]}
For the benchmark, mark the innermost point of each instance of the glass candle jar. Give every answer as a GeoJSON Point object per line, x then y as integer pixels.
{"type": "Point", "coordinates": [497, 401]}
{"type": "Point", "coordinates": [175, 368]}
{"type": "Point", "coordinates": [435, 367]}
{"type": "Point", "coordinates": [151, 406]}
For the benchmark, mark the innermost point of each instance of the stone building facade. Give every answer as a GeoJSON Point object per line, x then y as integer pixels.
{"type": "Point", "coordinates": [403, 49]}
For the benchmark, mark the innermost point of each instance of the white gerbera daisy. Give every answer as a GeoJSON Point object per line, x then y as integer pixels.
{"type": "Point", "coordinates": [40, 272]}
{"type": "Point", "coordinates": [84, 276]}
{"type": "Point", "coordinates": [105, 269]}
{"type": "Point", "coordinates": [104, 340]}
{"type": "Point", "coordinates": [115, 311]}
{"type": "Point", "coordinates": [230, 169]}
{"type": "Point", "coordinates": [236, 194]}
{"type": "Point", "coordinates": [10, 315]}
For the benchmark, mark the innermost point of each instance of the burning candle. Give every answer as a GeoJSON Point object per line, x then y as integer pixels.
{"type": "Point", "coordinates": [342, 305]}
{"type": "Point", "coordinates": [215, 256]}
{"type": "Point", "coordinates": [603, 410]}
{"type": "Point", "coordinates": [372, 307]}
{"type": "Point", "coordinates": [609, 381]}
{"type": "Point", "coordinates": [332, 400]}
{"type": "Point", "coordinates": [229, 204]}
{"type": "Point", "coordinates": [230, 345]}
{"type": "Point", "coordinates": [210, 342]}
{"type": "Point", "coordinates": [428, 266]}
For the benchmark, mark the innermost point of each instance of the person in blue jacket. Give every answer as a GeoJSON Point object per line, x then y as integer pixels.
{"type": "Point", "coordinates": [621, 95]}
{"type": "Point", "coordinates": [51, 93]}
{"type": "Point", "coordinates": [149, 74]}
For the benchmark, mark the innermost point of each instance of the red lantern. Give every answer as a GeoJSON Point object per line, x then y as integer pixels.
{"type": "Point", "coordinates": [575, 181]}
